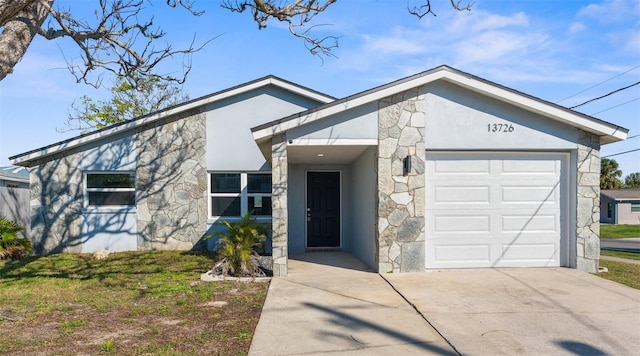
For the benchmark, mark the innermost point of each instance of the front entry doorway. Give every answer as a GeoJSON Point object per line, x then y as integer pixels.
{"type": "Point", "coordinates": [323, 209]}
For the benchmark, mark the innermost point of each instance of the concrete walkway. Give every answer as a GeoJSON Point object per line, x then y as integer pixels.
{"type": "Point", "coordinates": [620, 259]}
{"type": "Point", "coordinates": [332, 304]}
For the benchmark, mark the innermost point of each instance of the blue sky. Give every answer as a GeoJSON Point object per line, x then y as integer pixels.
{"type": "Point", "coordinates": [554, 50]}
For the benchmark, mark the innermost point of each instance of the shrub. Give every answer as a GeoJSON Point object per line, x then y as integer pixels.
{"type": "Point", "coordinates": [238, 244]}
{"type": "Point", "coordinates": [11, 244]}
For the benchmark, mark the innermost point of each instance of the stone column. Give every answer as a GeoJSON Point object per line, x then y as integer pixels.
{"type": "Point", "coordinates": [588, 203]}
{"type": "Point", "coordinates": [280, 213]}
{"type": "Point", "coordinates": [400, 240]}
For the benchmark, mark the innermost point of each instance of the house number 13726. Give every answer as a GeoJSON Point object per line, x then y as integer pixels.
{"type": "Point", "coordinates": [500, 128]}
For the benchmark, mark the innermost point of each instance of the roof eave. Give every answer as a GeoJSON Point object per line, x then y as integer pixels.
{"type": "Point", "coordinates": [607, 132]}
{"type": "Point", "coordinates": [27, 158]}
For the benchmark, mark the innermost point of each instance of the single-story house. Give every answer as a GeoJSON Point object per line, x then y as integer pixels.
{"type": "Point", "coordinates": [14, 196]}
{"type": "Point", "coordinates": [441, 169]}
{"type": "Point", "coordinates": [14, 177]}
{"type": "Point", "coordinates": [620, 206]}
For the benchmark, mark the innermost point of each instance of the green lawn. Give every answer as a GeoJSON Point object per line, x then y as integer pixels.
{"type": "Point", "coordinates": [621, 272]}
{"type": "Point", "coordinates": [621, 254]}
{"type": "Point", "coordinates": [132, 303]}
{"type": "Point", "coordinates": [619, 231]}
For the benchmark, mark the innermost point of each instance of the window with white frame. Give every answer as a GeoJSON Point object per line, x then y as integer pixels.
{"type": "Point", "coordinates": [635, 207]}
{"type": "Point", "coordinates": [110, 189]}
{"type": "Point", "coordinates": [235, 194]}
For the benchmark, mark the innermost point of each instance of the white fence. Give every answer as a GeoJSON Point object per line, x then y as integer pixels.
{"type": "Point", "coordinates": [14, 205]}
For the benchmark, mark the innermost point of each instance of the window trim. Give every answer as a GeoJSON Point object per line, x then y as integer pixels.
{"type": "Point", "coordinates": [87, 190]}
{"type": "Point", "coordinates": [243, 195]}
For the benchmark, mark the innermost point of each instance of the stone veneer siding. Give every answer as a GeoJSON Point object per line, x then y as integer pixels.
{"type": "Point", "coordinates": [279, 210]}
{"type": "Point", "coordinates": [401, 229]}
{"type": "Point", "coordinates": [171, 186]}
{"type": "Point", "coordinates": [56, 203]}
{"type": "Point", "coordinates": [588, 203]}
{"type": "Point", "coordinates": [171, 182]}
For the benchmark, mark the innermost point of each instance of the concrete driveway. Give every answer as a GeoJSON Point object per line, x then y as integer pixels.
{"type": "Point", "coordinates": [332, 304]}
{"type": "Point", "coordinates": [544, 311]}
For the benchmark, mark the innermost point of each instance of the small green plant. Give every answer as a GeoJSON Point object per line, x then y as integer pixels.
{"type": "Point", "coordinates": [244, 335]}
{"type": "Point", "coordinates": [107, 346]}
{"type": "Point", "coordinates": [69, 327]}
{"type": "Point", "coordinates": [11, 245]}
{"type": "Point", "coordinates": [238, 244]}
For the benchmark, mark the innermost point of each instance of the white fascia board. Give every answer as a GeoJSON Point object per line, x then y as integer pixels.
{"type": "Point", "coordinates": [333, 142]}
{"type": "Point", "coordinates": [310, 94]}
{"type": "Point", "coordinates": [166, 113]}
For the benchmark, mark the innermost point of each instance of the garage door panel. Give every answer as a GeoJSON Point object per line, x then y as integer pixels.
{"type": "Point", "coordinates": [461, 224]}
{"type": "Point", "coordinates": [530, 167]}
{"type": "Point", "coordinates": [530, 252]}
{"type": "Point", "coordinates": [460, 167]}
{"type": "Point", "coordinates": [468, 253]}
{"type": "Point", "coordinates": [461, 195]}
{"type": "Point", "coordinates": [532, 195]}
{"type": "Point", "coordinates": [528, 223]}
{"type": "Point", "coordinates": [508, 216]}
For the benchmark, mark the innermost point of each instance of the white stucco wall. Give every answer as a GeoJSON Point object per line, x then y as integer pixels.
{"type": "Point", "coordinates": [362, 186]}
{"type": "Point", "coordinates": [116, 154]}
{"type": "Point", "coordinates": [357, 123]}
{"type": "Point", "coordinates": [457, 118]}
{"type": "Point", "coordinates": [230, 144]}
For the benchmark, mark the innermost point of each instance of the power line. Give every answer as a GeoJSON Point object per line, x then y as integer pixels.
{"type": "Point", "coordinates": [613, 107]}
{"type": "Point", "coordinates": [606, 95]}
{"type": "Point", "coordinates": [621, 153]}
{"type": "Point", "coordinates": [595, 85]}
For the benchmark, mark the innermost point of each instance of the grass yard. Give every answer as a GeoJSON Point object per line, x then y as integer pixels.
{"type": "Point", "coordinates": [132, 303]}
{"type": "Point", "coordinates": [621, 272]}
{"type": "Point", "coordinates": [621, 254]}
{"type": "Point", "coordinates": [619, 231]}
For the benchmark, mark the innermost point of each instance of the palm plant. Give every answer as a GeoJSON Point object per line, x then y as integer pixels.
{"type": "Point", "coordinates": [238, 246]}
{"type": "Point", "coordinates": [11, 244]}
{"type": "Point", "coordinates": [609, 174]}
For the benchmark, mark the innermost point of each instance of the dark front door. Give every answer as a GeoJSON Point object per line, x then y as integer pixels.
{"type": "Point", "coordinates": [323, 209]}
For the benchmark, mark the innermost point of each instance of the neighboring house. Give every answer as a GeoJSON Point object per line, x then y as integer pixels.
{"type": "Point", "coordinates": [14, 177]}
{"type": "Point", "coordinates": [441, 169]}
{"type": "Point", "coordinates": [620, 206]}
{"type": "Point", "coordinates": [14, 195]}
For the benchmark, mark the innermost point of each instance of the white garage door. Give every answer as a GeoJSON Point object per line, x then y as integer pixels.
{"type": "Point", "coordinates": [493, 209]}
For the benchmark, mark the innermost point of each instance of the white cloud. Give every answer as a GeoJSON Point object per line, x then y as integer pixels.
{"type": "Point", "coordinates": [610, 11]}
{"type": "Point", "coordinates": [398, 43]}
{"type": "Point", "coordinates": [478, 21]}
{"type": "Point", "coordinates": [498, 46]}
{"type": "Point", "coordinates": [632, 43]}
{"type": "Point", "coordinates": [576, 27]}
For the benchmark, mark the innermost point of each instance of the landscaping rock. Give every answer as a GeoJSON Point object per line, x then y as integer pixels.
{"type": "Point", "coordinates": [101, 254]}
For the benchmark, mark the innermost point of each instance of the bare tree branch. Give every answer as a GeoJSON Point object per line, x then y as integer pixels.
{"type": "Point", "coordinates": [115, 41]}
{"type": "Point", "coordinates": [423, 10]}
{"type": "Point", "coordinates": [296, 13]}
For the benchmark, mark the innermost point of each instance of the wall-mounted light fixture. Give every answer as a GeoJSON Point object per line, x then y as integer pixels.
{"type": "Point", "coordinates": [406, 166]}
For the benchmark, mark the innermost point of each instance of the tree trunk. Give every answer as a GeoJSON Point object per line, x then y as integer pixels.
{"type": "Point", "coordinates": [19, 32]}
